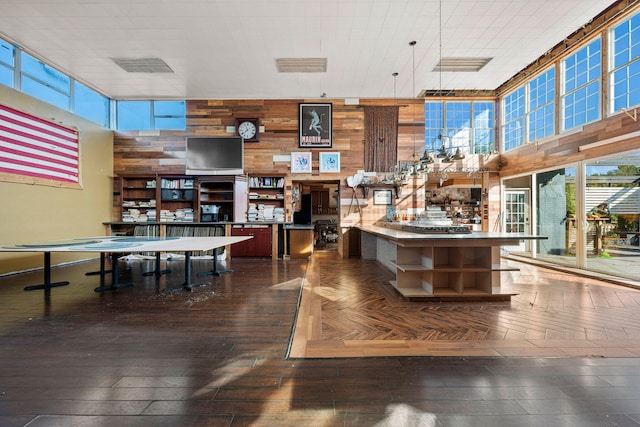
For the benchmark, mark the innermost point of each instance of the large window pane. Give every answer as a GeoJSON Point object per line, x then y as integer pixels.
{"type": "Point", "coordinates": [483, 125]}
{"type": "Point", "coordinates": [45, 93]}
{"type": "Point", "coordinates": [556, 209]}
{"type": "Point", "coordinates": [169, 115]}
{"type": "Point", "coordinates": [581, 86]}
{"type": "Point", "coordinates": [90, 104]}
{"type": "Point", "coordinates": [625, 67]}
{"type": "Point", "coordinates": [6, 53]}
{"type": "Point", "coordinates": [45, 74]}
{"type": "Point", "coordinates": [513, 112]}
{"type": "Point", "coordinates": [612, 204]}
{"type": "Point", "coordinates": [541, 109]}
{"type": "Point", "coordinates": [134, 115]}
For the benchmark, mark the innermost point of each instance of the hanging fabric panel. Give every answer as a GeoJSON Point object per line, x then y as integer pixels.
{"type": "Point", "coordinates": [380, 138]}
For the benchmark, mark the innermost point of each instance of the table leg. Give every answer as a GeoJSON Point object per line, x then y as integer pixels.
{"type": "Point", "coordinates": [215, 271]}
{"type": "Point", "coordinates": [47, 285]}
{"type": "Point", "coordinates": [115, 283]}
{"type": "Point", "coordinates": [158, 271]}
{"type": "Point", "coordinates": [187, 285]}
{"type": "Point", "coordinates": [103, 271]}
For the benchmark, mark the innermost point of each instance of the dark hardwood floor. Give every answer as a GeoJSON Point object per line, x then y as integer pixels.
{"type": "Point", "coordinates": [217, 356]}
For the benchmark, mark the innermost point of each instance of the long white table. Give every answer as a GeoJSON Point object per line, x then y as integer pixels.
{"type": "Point", "coordinates": [116, 246]}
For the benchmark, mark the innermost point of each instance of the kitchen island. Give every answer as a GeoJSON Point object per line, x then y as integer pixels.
{"type": "Point", "coordinates": [442, 264]}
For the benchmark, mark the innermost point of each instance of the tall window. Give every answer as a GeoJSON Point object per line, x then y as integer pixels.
{"type": "Point", "coordinates": [484, 127]}
{"type": "Point", "coordinates": [467, 125]}
{"type": "Point", "coordinates": [7, 63]}
{"type": "Point", "coordinates": [541, 105]}
{"type": "Point", "coordinates": [151, 115]}
{"type": "Point", "coordinates": [624, 78]}
{"type": "Point", "coordinates": [581, 86]}
{"type": "Point", "coordinates": [513, 128]}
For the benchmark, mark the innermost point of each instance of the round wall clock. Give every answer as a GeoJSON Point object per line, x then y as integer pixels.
{"type": "Point", "coordinates": [248, 129]}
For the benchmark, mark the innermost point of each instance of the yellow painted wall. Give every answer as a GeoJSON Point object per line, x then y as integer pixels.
{"type": "Point", "coordinates": [32, 213]}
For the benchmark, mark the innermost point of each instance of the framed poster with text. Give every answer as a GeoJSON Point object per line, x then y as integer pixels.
{"type": "Point", "coordinates": [314, 125]}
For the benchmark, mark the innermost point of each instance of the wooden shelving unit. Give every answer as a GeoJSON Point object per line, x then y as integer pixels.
{"type": "Point", "coordinates": [227, 193]}
{"type": "Point", "coordinates": [449, 272]}
{"type": "Point", "coordinates": [138, 198]}
{"type": "Point", "coordinates": [177, 199]}
{"type": "Point", "coordinates": [266, 192]}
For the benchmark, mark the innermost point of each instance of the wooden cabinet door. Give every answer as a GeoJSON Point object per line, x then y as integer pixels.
{"type": "Point", "coordinates": [259, 246]}
{"type": "Point", "coordinates": [320, 202]}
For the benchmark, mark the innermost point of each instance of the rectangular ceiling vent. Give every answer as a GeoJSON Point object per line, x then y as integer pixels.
{"type": "Point", "coordinates": [301, 65]}
{"type": "Point", "coordinates": [142, 65]}
{"type": "Point", "coordinates": [461, 64]}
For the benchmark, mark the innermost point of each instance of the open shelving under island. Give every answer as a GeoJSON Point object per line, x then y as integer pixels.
{"type": "Point", "coordinates": [442, 266]}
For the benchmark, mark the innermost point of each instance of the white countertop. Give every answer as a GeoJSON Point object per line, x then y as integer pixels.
{"type": "Point", "coordinates": [394, 234]}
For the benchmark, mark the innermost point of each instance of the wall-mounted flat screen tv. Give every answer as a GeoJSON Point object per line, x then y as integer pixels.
{"type": "Point", "coordinates": [215, 155]}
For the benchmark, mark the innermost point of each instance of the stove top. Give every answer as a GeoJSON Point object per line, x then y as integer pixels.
{"type": "Point", "coordinates": [429, 229]}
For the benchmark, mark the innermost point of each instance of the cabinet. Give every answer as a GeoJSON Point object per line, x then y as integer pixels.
{"type": "Point", "coordinates": [320, 202]}
{"type": "Point", "coordinates": [138, 199]}
{"type": "Point", "coordinates": [266, 199]}
{"type": "Point", "coordinates": [177, 199]}
{"type": "Point", "coordinates": [222, 198]}
{"type": "Point", "coordinates": [259, 246]}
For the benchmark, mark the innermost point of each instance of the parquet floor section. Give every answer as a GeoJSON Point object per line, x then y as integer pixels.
{"type": "Point", "coordinates": [348, 309]}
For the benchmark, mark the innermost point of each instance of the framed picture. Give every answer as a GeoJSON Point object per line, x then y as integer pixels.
{"type": "Point", "coordinates": [382, 197]}
{"type": "Point", "coordinates": [329, 162]}
{"type": "Point", "coordinates": [314, 125]}
{"type": "Point", "coordinates": [301, 162]}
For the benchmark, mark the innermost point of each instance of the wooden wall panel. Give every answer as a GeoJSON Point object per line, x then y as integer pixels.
{"type": "Point", "coordinates": [163, 152]}
{"type": "Point", "coordinates": [620, 129]}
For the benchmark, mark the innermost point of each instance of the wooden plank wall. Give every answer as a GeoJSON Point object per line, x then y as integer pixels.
{"type": "Point", "coordinates": [621, 130]}
{"type": "Point", "coordinates": [163, 152]}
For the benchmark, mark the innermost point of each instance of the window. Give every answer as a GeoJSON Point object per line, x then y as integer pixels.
{"type": "Point", "coordinates": [169, 115]}
{"type": "Point", "coordinates": [513, 128]}
{"type": "Point", "coordinates": [541, 105]}
{"type": "Point", "coordinates": [44, 82]}
{"type": "Point", "coordinates": [90, 104]}
{"type": "Point", "coordinates": [581, 86]}
{"type": "Point", "coordinates": [483, 124]}
{"type": "Point", "coordinates": [7, 63]}
{"type": "Point", "coordinates": [624, 78]}
{"type": "Point", "coordinates": [458, 126]}
{"type": "Point", "coordinates": [468, 126]}
{"type": "Point", "coordinates": [151, 115]}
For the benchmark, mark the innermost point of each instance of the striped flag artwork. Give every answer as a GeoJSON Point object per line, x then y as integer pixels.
{"type": "Point", "coordinates": [30, 146]}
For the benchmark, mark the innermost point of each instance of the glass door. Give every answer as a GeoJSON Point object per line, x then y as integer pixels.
{"type": "Point", "coordinates": [516, 216]}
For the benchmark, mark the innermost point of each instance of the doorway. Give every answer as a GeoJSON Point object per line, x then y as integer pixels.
{"type": "Point", "coordinates": [324, 211]}
{"type": "Point", "coordinates": [517, 216]}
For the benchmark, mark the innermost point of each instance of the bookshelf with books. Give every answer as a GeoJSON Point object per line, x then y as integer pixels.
{"type": "Point", "coordinates": [266, 199]}
{"type": "Point", "coordinates": [177, 196]}
{"type": "Point", "coordinates": [138, 196]}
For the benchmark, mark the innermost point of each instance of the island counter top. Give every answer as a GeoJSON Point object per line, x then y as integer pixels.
{"type": "Point", "coordinates": [441, 265]}
{"type": "Point", "coordinates": [410, 235]}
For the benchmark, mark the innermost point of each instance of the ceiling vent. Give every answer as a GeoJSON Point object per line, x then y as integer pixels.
{"type": "Point", "coordinates": [142, 65]}
{"type": "Point", "coordinates": [301, 65]}
{"type": "Point", "coordinates": [461, 64]}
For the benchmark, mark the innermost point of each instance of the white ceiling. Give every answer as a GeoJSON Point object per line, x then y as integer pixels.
{"type": "Point", "coordinates": [226, 49]}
